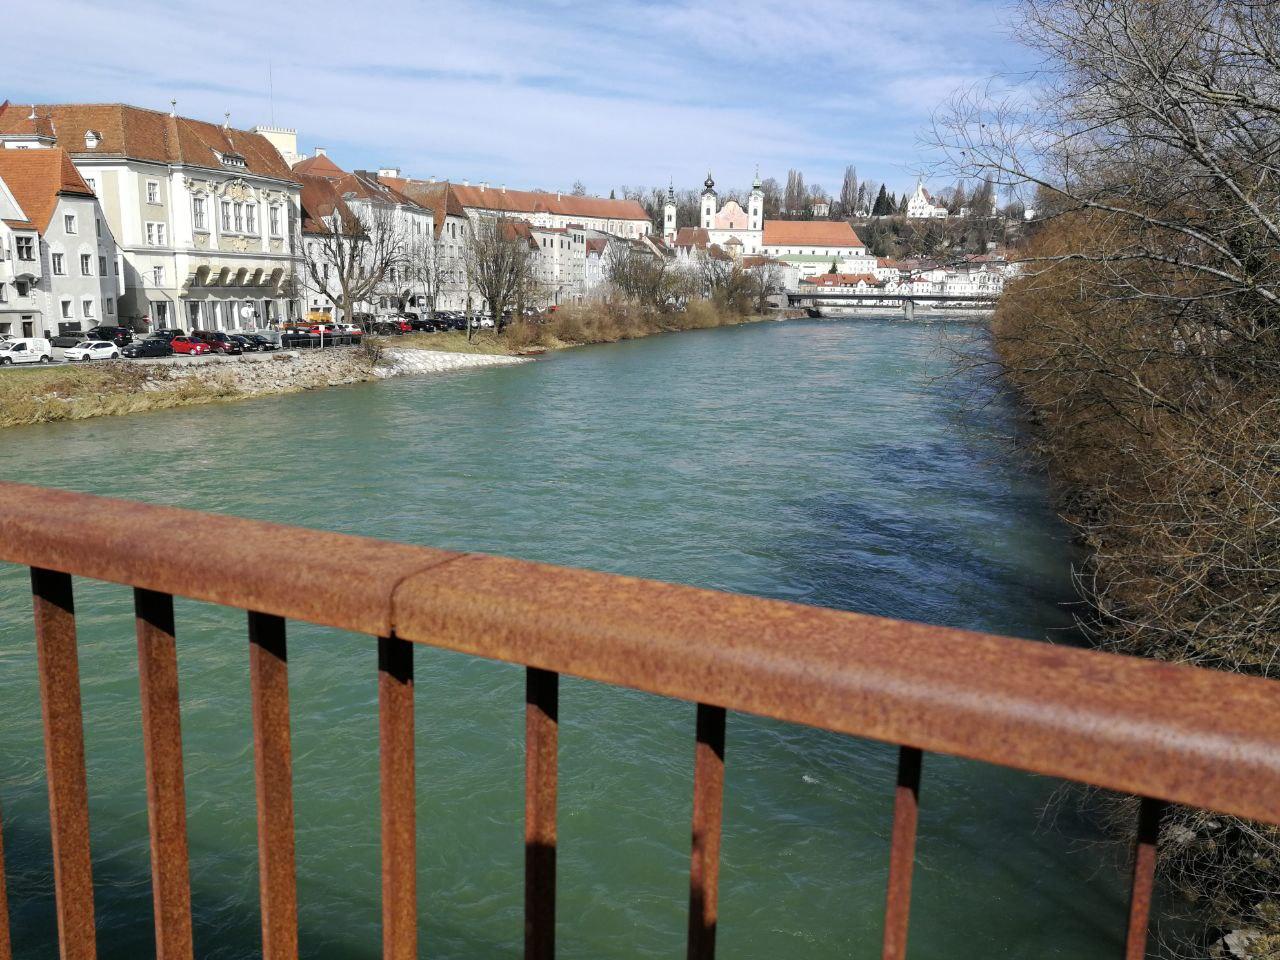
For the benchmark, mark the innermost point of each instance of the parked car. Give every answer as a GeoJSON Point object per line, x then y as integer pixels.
{"type": "Point", "coordinates": [149, 347]}
{"type": "Point", "coordinates": [217, 341]}
{"type": "Point", "coordinates": [117, 335]}
{"type": "Point", "coordinates": [69, 334]}
{"type": "Point", "coordinates": [350, 330]}
{"type": "Point", "coordinates": [189, 346]}
{"type": "Point", "coordinates": [487, 322]}
{"type": "Point", "coordinates": [246, 345]}
{"type": "Point", "coordinates": [25, 350]}
{"type": "Point", "coordinates": [92, 350]}
{"type": "Point", "coordinates": [423, 324]}
{"type": "Point", "coordinates": [169, 333]}
{"type": "Point", "coordinates": [298, 337]}
{"type": "Point", "coordinates": [258, 340]}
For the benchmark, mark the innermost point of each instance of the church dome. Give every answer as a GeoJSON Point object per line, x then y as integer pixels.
{"type": "Point", "coordinates": [709, 183]}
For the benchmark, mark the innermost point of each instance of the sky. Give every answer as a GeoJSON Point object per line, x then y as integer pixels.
{"type": "Point", "coordinates": [540, 93]}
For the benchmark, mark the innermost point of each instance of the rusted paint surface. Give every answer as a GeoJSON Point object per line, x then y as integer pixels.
{"type": "Point", "coordinates": [6, 946]}
{"type": "Point", "coordinates": [1150, 813]}
{"type": "Point", "coordinates": [166, 792]}
{"type": "Point", "coordinates": [273, 772]}
{"type": "Point", "coordinates": [399, 831]}
{"type": "Point", "coordinates": [902, 854]}
{"type": "Point", "coordinates": [55, 623]}
{"type": "Point", "coordinates": [541, 731]}
{"type": "Point", "coordinates": [1194, 736]}
{"type": "Point", "coordinates": [206, 556]}
{"type": "Point", "coordinates": [708, 808]}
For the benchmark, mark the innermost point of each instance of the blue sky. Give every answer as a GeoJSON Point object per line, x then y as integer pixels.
{"type": "Point", "coordinates": [542, 92]}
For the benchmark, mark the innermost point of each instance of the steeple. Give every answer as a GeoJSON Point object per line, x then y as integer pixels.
{"type": "Point", "coordinates": [708, 203]}
{"type": "Point", "coordinates": [669, 214]}
{"type": "Point", "coordinates": [709, 185]}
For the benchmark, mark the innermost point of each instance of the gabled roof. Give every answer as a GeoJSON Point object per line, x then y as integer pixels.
{"type": "Point", "coordinates": [693, 237]}
{"type": "Point", "coordinates": [138, 134]}
{"type": "Point", "coordinates": [436, 196]}
{"type": "Point", "coordinates": [536, 201]}
{"type": "Point", "coordinates": [842, 280]}
{"type": "Point", "coordinates": [319, 166]}
{"type": "Point", "coordinates": [37, 178]}
{"type": "Point", "coordinates": [809, 233]}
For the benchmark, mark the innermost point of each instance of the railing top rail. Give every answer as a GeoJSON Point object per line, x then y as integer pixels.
{"type": "Point", "coordinates": [1178, 733]}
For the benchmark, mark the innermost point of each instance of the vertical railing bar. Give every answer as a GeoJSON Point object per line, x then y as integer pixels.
{"type": "Point", "coordinates": [708, 808]}
{"type": "Point", "coordinates": [902, 854]}
{"type": "Point", "coordinates": [6, 946]}
{"type": "Point", "coordinates": [273, 773]}
{"type": "Point", "coordinates": [58, 664]}
{"type": "Point", "coordinates": [542, 720]}
{"type": "Point", "coordinates": [1150, 813]}
{"type": "Point", "coordinates": [166, 792]}
{"type": "Point", "coordinates": [399, 830]}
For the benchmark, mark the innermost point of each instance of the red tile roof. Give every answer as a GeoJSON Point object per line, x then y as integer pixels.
{"type": "Point", "coordinates": [436, 196]}
{"type": "Point", "coordinates": [536, 201]}
{"type": "Point", "coordinates": [842, 279]}
{"type": "Point", "coordinates": [36, 178]}
{"type": "Point", "coordinates": [319, 166]}
{"type": "Point", "coordinates": [139, 134]}
{"type": "Point", "coordinates": [692, 237]}
{"type": "Point", "coordinates": [809, 233]}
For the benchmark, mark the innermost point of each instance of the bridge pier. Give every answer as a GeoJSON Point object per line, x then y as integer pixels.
{"type": "Point", "coordinates": [908, 309]}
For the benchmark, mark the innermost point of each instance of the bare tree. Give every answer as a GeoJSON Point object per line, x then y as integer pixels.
{"type": "Point", "coordinates": [350, 253]}
{"type": "Point", "coordinates": [643, 277]}
{"type": "Point", "coordinates": [499, 259]}
{"type": "Point", "coordinates": [849, 192]}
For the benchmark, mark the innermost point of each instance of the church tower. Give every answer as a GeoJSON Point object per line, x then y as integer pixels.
{"type": "Point", "coordinates": [755, 206]}
{"type": "Point", "coordinates": [708, 203]}
{"type": "Point", "coordinates": [669, 215]}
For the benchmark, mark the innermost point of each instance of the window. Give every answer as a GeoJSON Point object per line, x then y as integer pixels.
{"type": "Point", "coordinates": [153, 191]}
{"type": "Point", "coordinates": [238, 210]}
{"type": "Point", "coordinates": [251, 217]}
{"type": "Point", "coordinates": [4, 295]}
{"type": "Point", "coordinates": [226, 216]}
{"type": "Point", "coordinates": [111, 307]}
{"type": "Point", "coordinates": [197, 213]}
{"type": "Point", "coordinates": [157, 276]}
{"type": "Point", "coordinates": [69, 223]}
{"type": "Point", "coordinates": [66, 310]}
{"type": "Point", "coordinates": [274, 215]}
{"type": "Point", "coordinates": [86, 309]}
{"type": "Point", "coordinates": [86, 265]}
{"type": "Point", "coordinates": [92, 183]}
{"type": "Point", "coordinates": [21, 287]}
{"type": "Point", "coordinates": [155, 234]}
{"type": "Point", "coordinates": [26, 248]}
{"type": "Point", "coordinates": [59, 268]}
{"type": "Point", "coordinates": [102, 266]}
{"type": "Point", "coordinates": [98, 225]}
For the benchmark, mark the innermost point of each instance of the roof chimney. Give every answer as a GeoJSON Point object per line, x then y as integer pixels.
{"type": "Point", "coordinates": [33, 113]}
{"type": "Point", "coordinates": [393, 172]}
{"type": "Point", "coordinates": [466, 183]}
{"type": "Point", "coordinates": [226, 120]}
{"type": "Point", "coordinates": [504, 188]}
{"type": "Point", "coordinates": [173, 107]}
{"type": "Point", "coordinates": [322, 151]}
{"type": "Point", "coordinates": [484, 185]}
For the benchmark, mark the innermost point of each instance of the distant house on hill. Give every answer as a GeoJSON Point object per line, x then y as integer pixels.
{"type": "Point", "coordinates": [921, 206]}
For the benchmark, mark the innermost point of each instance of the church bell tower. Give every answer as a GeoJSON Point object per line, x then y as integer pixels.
{"type": "Point", "coordinates": [755, 206]}
{"type": "Point", "coordinates": [669, 215]}
{"type": "Point", "coordinates": [708, 203]}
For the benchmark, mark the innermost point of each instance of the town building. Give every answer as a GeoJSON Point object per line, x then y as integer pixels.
{"type": "Point", "coordinates": [620, 218]}
{"type": "Point", "coordinates": [821, 209]}
{"type": "Point", "coordinates": [817, 246]}
{"type": "Point", "coordinates": [206, 216]}
{"type": "Point", "coordinates": [444, 287]}
{"type": "Point", "coordinates": [922, 206]}
{"type": "Point", "coordinates": [69, 285]}
{"type": "Point", "coordinates": [732, 229]}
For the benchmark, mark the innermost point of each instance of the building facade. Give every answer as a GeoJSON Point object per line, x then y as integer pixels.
{"type": "Point", "coordinates": [70, 285]}
{"type": "Point", "coordinates": [206, 216]}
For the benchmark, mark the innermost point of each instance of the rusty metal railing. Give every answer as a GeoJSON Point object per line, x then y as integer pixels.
{"type": "Point", "coordinates": [1166, 733]}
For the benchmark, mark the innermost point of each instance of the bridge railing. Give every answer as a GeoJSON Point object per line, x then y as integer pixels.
{"type": "Point", "coordinates": [1163, 732]}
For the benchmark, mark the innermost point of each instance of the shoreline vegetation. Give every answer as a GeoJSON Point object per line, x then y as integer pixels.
{"type": "Point", "coordinates": [116, 388]}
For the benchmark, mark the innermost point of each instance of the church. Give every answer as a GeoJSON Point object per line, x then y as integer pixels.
{"type": "Point", "coordinates": [732, 229]}
{"type": "Point", "coordinates": [810, 247]}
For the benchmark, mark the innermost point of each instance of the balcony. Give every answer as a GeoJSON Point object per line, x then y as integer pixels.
{"type": "Point", "coordinates": [1165, 733]}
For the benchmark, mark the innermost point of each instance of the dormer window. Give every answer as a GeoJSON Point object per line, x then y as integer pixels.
{"type": "Point", "coordinates": [91, 139]}
{"type": "Point", "coordinates": [232, 160]}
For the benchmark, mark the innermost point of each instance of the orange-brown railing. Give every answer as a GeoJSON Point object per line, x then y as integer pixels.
{"type": "Point", "coordinates": [1166, 733]}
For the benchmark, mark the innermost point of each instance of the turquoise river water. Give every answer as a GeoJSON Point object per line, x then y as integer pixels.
{"type": "Point", "coordinates": [819, 462]}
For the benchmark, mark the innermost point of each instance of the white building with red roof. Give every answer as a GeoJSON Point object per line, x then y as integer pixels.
{"type": "Point", "coordinates": [922, 206]}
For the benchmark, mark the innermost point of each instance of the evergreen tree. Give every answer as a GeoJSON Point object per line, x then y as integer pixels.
{"type": "Point", "coordinates": [881, 208]}
{"type": "Point", "coordinates": [613, 195]}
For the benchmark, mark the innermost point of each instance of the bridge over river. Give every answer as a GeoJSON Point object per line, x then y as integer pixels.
{"type": "Point", "coordinates": [814, 302]}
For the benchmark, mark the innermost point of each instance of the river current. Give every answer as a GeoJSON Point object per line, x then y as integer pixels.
{"type": "Point", "coordinates": [835, 463]}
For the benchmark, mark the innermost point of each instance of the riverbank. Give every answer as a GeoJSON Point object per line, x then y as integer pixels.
{"type": "Point", "coordinates": [114, 388]}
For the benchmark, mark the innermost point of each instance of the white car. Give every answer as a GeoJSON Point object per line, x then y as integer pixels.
{"type": "Point", "coordinates": [92, 350]}
{"type": "Point", "coordinates": [25, 350]}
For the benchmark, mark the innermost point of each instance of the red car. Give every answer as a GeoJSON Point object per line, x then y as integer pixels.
{"type": "Point", "coordinates": [188, 345]}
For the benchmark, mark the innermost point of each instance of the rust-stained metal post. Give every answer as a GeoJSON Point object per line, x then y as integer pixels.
{"type": "Point", "coordinates": [902, 854]}
{"type": "Point", "coordinates": [166, 792]}
{"type": "Point", "coordinates": [399, 833]}
{"type": "Point", "coordinates": [1144, 877]}
{"type": "Point", "coordinates": [708, 807]}
{"type": "Point", "coordinates": [273, 771]}
{"type": "Point", "coordinates": [542, 720]}
{"type": "Point", "coordinates": [6, 946]}
{"type": "Point", "coordinates": [55, 623]}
